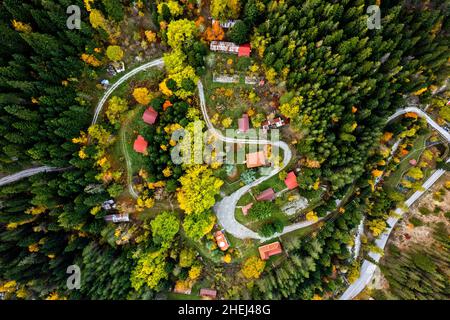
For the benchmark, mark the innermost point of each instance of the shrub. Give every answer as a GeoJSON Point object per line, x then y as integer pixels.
{"type": "Point", "coordinates": [114, 53]}
{"type": "Point", "coordinates": [267, 230]}
{"type": "Point", "coordinates": [424, 211]}
{"type": "Point", "coordinates": [263, 210]}
{"type": "Point", "coordinates": [416, 221]}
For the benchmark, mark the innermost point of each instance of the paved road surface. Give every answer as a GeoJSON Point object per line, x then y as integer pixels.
{"type": "Point", "coordinates": [27, 173]}
{"type": "Point", "coordinates": [125, 77]}
{"type": "Point", "coordinates": [367, 267]}
{"type": "Point", "coordinates": [225, 209]}
{"type": "Point", "coordinates": [422, 114]}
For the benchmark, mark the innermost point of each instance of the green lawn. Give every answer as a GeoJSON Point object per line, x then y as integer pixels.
{"type": "Point", "coordinates": [417, 149]}
{"type": "Point", "coordinates": [235, 107]}
{"type": "Point", "coordinates": [299, 233]}
{"type": "Point", "coordinates": [180, 296]}
{"type": "Point", "coordinates": [274, 182]}
{"type": "Point", "coordinates": [248, 247]}
{"type": "Point", "coordinates": [229, 188]}
{"type": "Point", "coordinates": [256, 225]}
{"type": "Point", "coordinates": [246, 199]}
{"type": "Point", "coordinates": [132, 123]}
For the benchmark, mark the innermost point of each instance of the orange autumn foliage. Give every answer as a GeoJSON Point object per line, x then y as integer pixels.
{"type": "Point", "coordinates": [215, 32]}
{"type": "Point", "coordinates": [387, 136]}
{"type": "Point", "coordinates": [376, 173]}
{"type": "Point", "coordinates": [312, 163]}
{"type": "Point", "coordinates": [167, 104]}
{"type": "Point", "coordinates": [90, 59]}
{"type": "Point", "coordinates": [411, 115]}
{"type": "Point", "coordinates": [200, 21]}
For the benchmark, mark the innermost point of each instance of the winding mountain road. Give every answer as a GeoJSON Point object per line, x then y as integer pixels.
{"type": "Point", "coordinates": [368, 268]}
{"type": "Point", "coordinates": [46, 169]}
{"type": "Point", "coordinates": [28, 173]}
{"type": "Point", "coordinates": [125, 77]}
{"type": "Point", "coordinates": [422, 114]}
{"type": "Point", "coordinates": [225, 209]}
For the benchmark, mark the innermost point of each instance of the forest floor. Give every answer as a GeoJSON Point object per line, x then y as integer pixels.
{"type": "Point", "coordinates": [422, 216]}
{"type": "Point", "coordinates": [416, 228]}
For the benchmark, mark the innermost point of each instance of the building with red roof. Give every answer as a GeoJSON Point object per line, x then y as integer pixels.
{"type": "Point", "coordinates": [243, 123]}
{"type": "Point", "coordinates": [224, 46]}
{"type": "Point", "coordinates": [244, 50]}
{"type": "Point", "coordinates": [273, 124]}
{"type": "Point", "coordinates": [266, 195]}
{"type": "Point", "coordinates": [291, 180]}
{"type": "Point", "coordinates": [150, 115]}
{"type": "Point", "coordinates": [255, 159]}
{"type": "Point", "coordinates": [230, 47]}
{"type": "Point", "coordinates": [208, 293]}
{"type": "Point", "coordinates": [140, 144]}
{"type": "Point", "coordinates": [269, 250]}
{"type": "Point", "coordinates": [222, 242]}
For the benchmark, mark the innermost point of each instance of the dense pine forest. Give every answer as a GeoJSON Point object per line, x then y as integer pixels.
{"type": "Point", "coordinates": [346, 81]}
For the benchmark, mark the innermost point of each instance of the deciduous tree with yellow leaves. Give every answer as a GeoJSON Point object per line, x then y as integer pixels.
{"type": "Point", "coordinates": [253, 267]}
{"type": "Point", "coordinates": [198, 189]}
{"type": "Point", "coordinates": [225, 9]}
{"type": "Point", "coordinates": [142, 95]}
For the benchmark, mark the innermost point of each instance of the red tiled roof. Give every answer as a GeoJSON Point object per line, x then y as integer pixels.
{"type": "Point", "coordinates": [269, 250]}
{"type": "Point", "coordinates": [150, 115]}
{"type": "Point", "coordinates": [266, 195]}
{"type": "Point", "coordinates": [208, 293]}
{"type": "Point", "coordinates": [222, 242]}
{"type": "Point", "coordinates": [255, 159]}
{"type": "Point", "coordinates": [291, 180]}
{"type": "Point", "coordinates": [244, 50]}
{"type": "Point", "coordinates": [140, 144]}
{"type": "Point", "coordinates": [243, 123]}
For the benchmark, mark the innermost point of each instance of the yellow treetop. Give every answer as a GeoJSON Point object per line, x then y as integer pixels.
{"type": "Point", "coordinates": [312, 216]}
{"type": "Point", "coordinates": [253, 267]}
{"type": "Point", "coordinates": [142, 95]}
{"type": "Point", "coordinates": [21, 27]}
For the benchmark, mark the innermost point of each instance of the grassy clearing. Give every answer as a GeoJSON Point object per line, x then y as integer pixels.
{"type": "Point", "coordinates": [235, 106]}
{"type": "Point", "coordinates": [274, 182]}
{"type": "Point", "coordinates": [255, 225]}
{"type": "Point", "coordinates": [149, 78]}
{"type": "Point", "coordinates": [128, 132]}
{"type": "Point", "coordinates": [229, 188]}
{"type": "Point", "coordinates": [418, 147]}
{"type": "Point", "coordinates": [180, 296]}
{"type": "Point", "coordinates": [246, 199]}
{"type": "Point", "coordinates": [248, 247]}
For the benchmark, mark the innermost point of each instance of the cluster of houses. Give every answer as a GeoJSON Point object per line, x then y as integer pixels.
{"type": "Point", "coordinates": [265, 251]}
{"type": "Point", "coordinates": [276, 123]}
{"type": "Point", "coordinates": [140, 144]}
{"type": "Point", "coordinates": [269, 194]}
